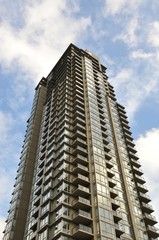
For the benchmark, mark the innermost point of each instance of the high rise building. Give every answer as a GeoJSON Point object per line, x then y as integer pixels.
{"type": "Point", "coordinates": [79, 177]}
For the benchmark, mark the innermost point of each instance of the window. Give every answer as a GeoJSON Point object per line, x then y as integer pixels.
{"type": "Point", "coordinates": [103, 201]}
{"type": "Point", "coordinates": [103, 213]}
{"type": "Point", "coordinates": [44, 221]}
{"type": "Point", "coordinates": [102, 189]}
{"type": "Point", "coordinates": [107, 228]}
{"type": "Point", "coordinates": [43, 235]}
{"type": "Point", "coordinates": [45, 208]}
{"type": "Point", "coordinates": [46, 196]}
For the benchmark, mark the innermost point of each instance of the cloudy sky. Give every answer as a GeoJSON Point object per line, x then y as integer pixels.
{"type": "Point", "coordinates": [123, 33]}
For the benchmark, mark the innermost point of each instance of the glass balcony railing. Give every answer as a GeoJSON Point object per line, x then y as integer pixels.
{"type": "Point", "coordinates": [82, 232]}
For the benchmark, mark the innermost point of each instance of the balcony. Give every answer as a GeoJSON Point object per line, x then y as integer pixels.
{"type": "Point", "coordinates": [79, 134]}
{"type": "Point", "coordinates": [131, 148]}
{"type": "Point", "coordinates": [135, 163]}
{"type": "Point", "coordinates": [81, 203]}
{"type": "Point", "coordinates": [110, 173]}
{"type": "Point", "coordinates": [79, 108]}
{"type": "Point", "coordinates": [121, 109]}
{"type": "Point", "coordinates": [147, 208]}
{"type": "Point", "coordinates": [115, 204]}
{"type": "Point", "coordinates": [108, 156]}
{"type": "Point", "coordinates": [125, 124]}
{"type": "Point", "coordinates": [35, 212]}
{"type": "Point", "coordinates": [81, 217]}
{"type": "Point", "coordinates": [117, 216]}
{"type": "Point", "coordinates": [108, 164]}
{"type": "Point", "coordinates": [137, 171]}
{"type": "Point", "coordinates": [149, 219]}
{"type": "Point", "coordinates": [106, 148]}
{"type": "Point", "coordinates": [78, 92]}
{"type": "Point", "coordinates": [79, 114]}
{"type": "Point", "coordinates": [80, 142]}
{"type": "Point", "coordinates": [126, 129]}
{"type": "Point", "coordinates": [119, 230]}
{"type": "Point", "coordinates": [139, 179]}
{"type": "Point", "coordinates": [82, 232]}
{"type": "Point", "coordinates": [113, 193]}
{"type": "Point", "coordinates": [130, 142]}
{"type": "Point", "coordinates": [81, 191]}
{"type": "Point", "coordinates": [144, 197]}
{"type": "Point", "coordinates": [141, 188]}
{"type": "Point", "coordinates": [128, 136]}
{"type": "Point", "coordinates": [80, 179]}
{"type": "Point", "coordinates": [80, 150]}
{"type": "Point", "coordinates": [77, 97]}
{"type": "Point", "coordinates": [80, 169]}
{"type": "Point", "coordinates": [33, 225]}
{"type": "Point", "coordinates": [78, 120]}
{"type": "Point", "coordinates": [59, 234]}
{"type": "Point", "coordinates": [152, 232]}
{"type": "Point", "coordinates": [79, 127]}
{"type": "Point", "coordinates": [123, 118]}
{"type": "Point", "coordinates": [78, 102]}
{"type": "Point", "coordinates": [111, 182]}
{"type": "Point", "coordinates": [80, 160]}
{"type": "Point", "coordinates": [133, 155]}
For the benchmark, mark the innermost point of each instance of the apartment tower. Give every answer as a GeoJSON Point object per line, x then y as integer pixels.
{"type": "Point", "coordinates": [79, 177]}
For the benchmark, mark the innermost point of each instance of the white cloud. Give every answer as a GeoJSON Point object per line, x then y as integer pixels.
{"type": "Point", "coordinates": [121, 77]}
{"type": "Point", "coordinates": [113, 7]}
{"type": "Point", "coordinates": [129, 35]}
{"type": "Point", "coordinates": [49, 27]}
{"type": "Point", "coordinates": [140, 54]}
{"type": "Point", "coordinates": [132, 89]}
{"type": "Point", "coordinates": [6, 122]}
{"type": "Point", "coordinates": [4, 181]}
{"type": "Point", "coordinates": [153, 34]}
{"type": "Point", "coordinates": [147, 147]}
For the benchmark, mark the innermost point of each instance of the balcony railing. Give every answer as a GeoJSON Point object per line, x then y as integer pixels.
{"type": "Point", "coordinates": [81, 217]}
{"type": "Point", "coordinates": [81, 191]}
{"type": "Point", "coordinates": [79, 134]}
{"type": "Point", "coordinates": [80, 150]}
{"type": "Point", "coordinates": [144, 197]}
{"type": "Point", "coordinates": [142, 188]}
{"type": "Point", "coordinates": [147, 208]}
{"type": "Point", "coordinates": [113, 193]}
{"type": "Point", "coordinates": [119, 230]}
{"type": "Point", "coordinates": [117, 216]}
{"type": "Point", "coordinates": [135, 163]}
{"type": "Point", "coordinates": [80, 142]}
{"type": "Point", "coordinates": [80, 159]}
{"type": "Point", "coordinates": [80, 169]}
{"type": "Point", "coordinates": [82, 232]}
{"type": "Point", "coordinates": [137, 171]}
{"type": "Point", "coordinates": [139, 179]}
{"type": "Point", "coordinates": [153, 232]}
{"type": "Point", "coordinates": [149, 219]}
{"type": "Point", "coordinates": [80, 179]}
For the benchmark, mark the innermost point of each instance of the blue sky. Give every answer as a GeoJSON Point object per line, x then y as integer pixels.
{"type": "Point", "coordinates": [125, 36]}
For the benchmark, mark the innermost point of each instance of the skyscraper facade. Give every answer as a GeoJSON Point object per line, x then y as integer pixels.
{"type": "Point", "coordinates": [79, 176]}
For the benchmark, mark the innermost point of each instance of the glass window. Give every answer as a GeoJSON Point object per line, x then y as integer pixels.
{"type": "Point", "coordinates": [107, 228]}
{"type": "Point", "coordinates": [44, 221]}
{"type": "Point", "coordinates": [103, 200]}
{"type": "Point", "coordinates": [104, 213]}
{"type": "Point", "coordinates": [45, 208]}
{"type": "Point", "coordinates": [43, 235]}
